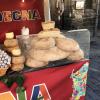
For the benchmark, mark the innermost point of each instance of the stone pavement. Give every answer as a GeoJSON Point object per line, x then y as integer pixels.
{"type": "Point", "coordinates": [93, 83]}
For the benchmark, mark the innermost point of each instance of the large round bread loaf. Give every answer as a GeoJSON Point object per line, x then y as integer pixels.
{"type": "Point", "coordinates": [34, 63]}
{"type": "Point", "coordinates": [17, 67]}
{"type": "Point", "coordinates": [10, 43]}
{"type": "Point", "coordinates": [76, 56]}
{"type": "Point", "coordinates": [52, 54]}
{"type": "Point", "coordinates": [67, 44]}
{"type": "Point", "coordinates": [18, 59]}
{"type": "Point", "coordinates": [48, 25]}
{"type": "Point", "coordinates": [51, 33]}
{"type": "Point", "coordinates": [43, 43]}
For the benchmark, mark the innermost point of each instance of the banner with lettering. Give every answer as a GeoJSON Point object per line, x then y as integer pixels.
{"type": "Point", "coordinates": [58, 83]}
{"type": "Point", "coordinates": [15, 14]}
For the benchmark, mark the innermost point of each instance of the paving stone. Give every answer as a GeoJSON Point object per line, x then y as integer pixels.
{"type": "Point", "coordinates": [93, 82]}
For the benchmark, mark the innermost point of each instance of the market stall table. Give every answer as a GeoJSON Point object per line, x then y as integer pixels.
{"type": "Point", "coordinates": [58, 81]}
{"type": "Point", "coordinates": [61, 83]}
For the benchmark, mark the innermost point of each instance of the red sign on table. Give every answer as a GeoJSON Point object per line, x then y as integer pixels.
{"type": "Point", "coordinates": [15, 14]}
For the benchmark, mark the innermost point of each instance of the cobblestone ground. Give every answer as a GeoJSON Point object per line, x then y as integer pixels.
{"type": "Point", "coordinates": [93, 84]}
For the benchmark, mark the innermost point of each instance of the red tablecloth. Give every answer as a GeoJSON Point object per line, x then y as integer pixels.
{"type": "Point", "coordinates": [52, 83]}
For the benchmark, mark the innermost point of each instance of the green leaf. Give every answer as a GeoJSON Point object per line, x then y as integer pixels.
{"type": "Point", "coordinates": [20, 80]}
{"type": "Point", "coordinates": [4, 79]}
{"type": "Point", "coordinates": [10, 82]}
{"type": "Point", "coordinates": [20, 89]}
{"type": "Point", "coordinates": [7, 80]}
